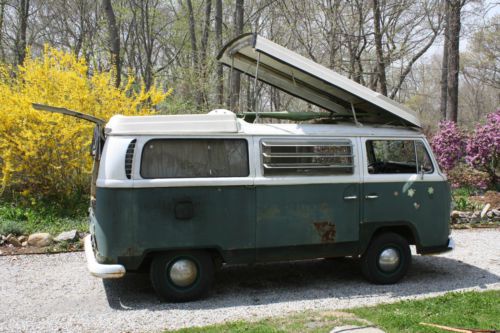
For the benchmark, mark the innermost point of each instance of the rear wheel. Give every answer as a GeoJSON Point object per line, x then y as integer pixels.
{"type": "Point", "coordinates": [182, 276]}
{"type": "Point", "coordinates": [387, 259]}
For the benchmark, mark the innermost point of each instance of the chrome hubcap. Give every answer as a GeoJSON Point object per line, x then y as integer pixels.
{"type": "Point", "coordinates": [389, 259]}
{"type": "Point", "coordinates": [183, 272]}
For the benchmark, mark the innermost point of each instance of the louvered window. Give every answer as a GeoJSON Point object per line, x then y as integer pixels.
{"type": "Point", "coordinates": [129, 158]}
{"type": "Point", "coordinates": [328, 157]}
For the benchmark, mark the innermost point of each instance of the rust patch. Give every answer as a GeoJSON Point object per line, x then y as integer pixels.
{"type": "Point", "coordinates": [326, 230]}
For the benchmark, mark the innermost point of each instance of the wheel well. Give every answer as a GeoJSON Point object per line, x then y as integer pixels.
{"type": "Point", "coordinates": [401, 230]}
{"type": "Point", "coordinates": [148, 257]}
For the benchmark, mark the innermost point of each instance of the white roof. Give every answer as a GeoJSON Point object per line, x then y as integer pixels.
{"type": "Point", "coordinates": [227, 123]}
{"type": "Point", "coordinates": [326, 130]}
{"type": "Point", "coordinates": [303, 78]}
{"type": "Point", "coordinates": [173, 124]}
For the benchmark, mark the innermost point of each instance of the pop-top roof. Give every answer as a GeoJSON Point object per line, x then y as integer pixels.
{"type": "Point", "coordinates": [223, 122]}
{"type": "Point", "coordinates": [316, 84]}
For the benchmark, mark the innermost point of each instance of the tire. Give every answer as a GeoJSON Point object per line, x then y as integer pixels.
{"type": "Point", "coordinates": [182, 276]}
{"type": "Point", "coordinates": [386, 270]}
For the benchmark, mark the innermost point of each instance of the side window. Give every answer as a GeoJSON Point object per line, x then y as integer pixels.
{"type": "Point", "coordinates": [194, 158]}
{"type": "Point", "coordinates": [307, 157]}
{"type": "Point", "coordinates": [397, 156]}
{"type": "Point", "coordinates": [423, 158]}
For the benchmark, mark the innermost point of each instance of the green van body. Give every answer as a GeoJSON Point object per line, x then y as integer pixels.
{"type": "Point", "coordinates": [263, 220]}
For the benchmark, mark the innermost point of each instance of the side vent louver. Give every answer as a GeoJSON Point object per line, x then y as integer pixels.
{"type": "Point", "coordinates": [129, 158]}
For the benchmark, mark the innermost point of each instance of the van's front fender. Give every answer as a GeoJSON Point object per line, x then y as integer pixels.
{"type": "Point", "coordinates": [406, 229]}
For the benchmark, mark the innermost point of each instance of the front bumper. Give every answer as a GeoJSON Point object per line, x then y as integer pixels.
{"type": "Point", "coordinates": [101, 270]}
{"type": "Point", "coordinates": [450, 245]}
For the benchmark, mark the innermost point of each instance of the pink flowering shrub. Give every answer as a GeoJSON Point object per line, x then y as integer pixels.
{"type": "Point", "coordinates": [483, 146]}
{"type": "Point", "coordinates": [469, 160]}
{"type": "Point", "coordinates": [464, 175]}
{"type": "Point", "coordinates": [448, 145]}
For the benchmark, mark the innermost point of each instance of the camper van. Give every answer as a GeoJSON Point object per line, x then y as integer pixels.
{"type": "Point", "coordinates": [182, 195]}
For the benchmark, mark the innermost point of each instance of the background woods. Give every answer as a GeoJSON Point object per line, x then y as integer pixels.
{"type": "Point", "coordinates": [393, 47]}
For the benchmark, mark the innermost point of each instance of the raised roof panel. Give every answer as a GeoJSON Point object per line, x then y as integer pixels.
{"type": "Point", "coordinates": [172, 124]}
{"type": "Point", "coordinates": [312, 82]}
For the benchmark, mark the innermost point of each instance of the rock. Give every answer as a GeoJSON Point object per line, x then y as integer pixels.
{"type": "Point", "coordinates": [475, 219]}
{"type": "Point", "coordinates": [67, 236]}
{"type": "Point", "coordinates": [24, 244]}
{"type": "Point", "coordinates": [40, 239]}
{"type": "Point", "coordinates": [463, 215]}
{"type": "Point", "coordinates": [490, 214]}
{"type": "Point", "coordinates": [22, 238]}
{"type": "Point", "coordinates": [496, 212]}
{"type": "Point", "coordinates": [13, 240]}
{"type": "Point", "coordinates": [485, 210]}
{"type": "Point", "coordinates": [455, 214]}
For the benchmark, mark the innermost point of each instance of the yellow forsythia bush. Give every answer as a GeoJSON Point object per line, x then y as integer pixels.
{"type": "Point", "coordinates": [46, 155]}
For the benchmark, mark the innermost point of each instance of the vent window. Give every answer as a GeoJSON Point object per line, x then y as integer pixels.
{"type": "Point", "coordinates": [129, 158]}
{"type": "Point", "coordinates": [307, 157]}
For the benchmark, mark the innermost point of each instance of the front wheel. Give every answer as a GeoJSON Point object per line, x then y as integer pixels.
{"type": "Point", "coordinates": [182, 276]}
{"type": "Point", "coordinates": [387, 259]}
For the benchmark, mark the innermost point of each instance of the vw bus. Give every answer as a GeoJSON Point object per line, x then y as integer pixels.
{"type": "Point", "coordinates": [184, 194]}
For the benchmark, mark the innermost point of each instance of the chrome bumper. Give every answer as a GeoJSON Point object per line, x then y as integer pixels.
{"type": "Point", "coordinates": [451, 244]}
{"type": "Point", "coordinates": [101, 270]}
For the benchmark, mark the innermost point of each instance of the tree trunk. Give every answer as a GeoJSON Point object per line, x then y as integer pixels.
{"type": "Point", "coordinates": [236, 77]}
{"type": "Point", "coordinates": [23, 27]}
{"type": "Point", "coordinates": [114, 42]}
{"type": "Point", "coordinates": [444, 63]}
{"type": "Point", "coordinates": [378, 46]}
{"type": "Point", "coordinates": [206, 30]}
{"type": "Point", "coordinates": [218, 38]}
{"type": "Point", "coordinates": [202, 98]}
{"type": "Point", "coordinates": [192, 34]}
{"type": "Point", "coordinates": [2, 17]}
{"type": "Point", "coordinates": [455, 7]}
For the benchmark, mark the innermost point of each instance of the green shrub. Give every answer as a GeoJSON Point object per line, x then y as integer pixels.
{"type": "Point", "coordinates": [46, 216]}
{"type": "Point", "coordinates": [12, 227]}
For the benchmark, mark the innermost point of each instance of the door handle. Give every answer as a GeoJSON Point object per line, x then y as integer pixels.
{"type": "Point", "coordinates": [371, 196]}
{"type": "Point", "coordinates": [351, 197]}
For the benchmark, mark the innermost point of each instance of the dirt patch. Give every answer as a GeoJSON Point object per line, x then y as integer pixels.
{"type": "Point", "coordinates": [8, 250]}
{"type": "Point", "coordinates": [491, 197]}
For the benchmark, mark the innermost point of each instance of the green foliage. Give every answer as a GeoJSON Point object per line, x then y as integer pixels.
{"type": "Point", "coordinates": [478, 310]}
{"type": "Point", "coordinates": [20, 218]}
{"type": "Point", "coordinates": [11, 227]}
{"type": "Point", "coordinates": [461, 199]}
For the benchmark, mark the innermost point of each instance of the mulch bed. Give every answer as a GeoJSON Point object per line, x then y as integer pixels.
{"type": "Point", "coordinates": [491, 197]}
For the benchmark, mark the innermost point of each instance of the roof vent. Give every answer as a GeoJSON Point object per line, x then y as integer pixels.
{"type": "Point", "coordinates": [129, 158]}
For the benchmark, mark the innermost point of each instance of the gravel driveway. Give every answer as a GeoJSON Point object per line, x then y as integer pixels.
{"type": "Point", "coordinates": [49, 293]}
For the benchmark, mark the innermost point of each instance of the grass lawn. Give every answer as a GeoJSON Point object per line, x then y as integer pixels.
{"type": "Point", "coordinates": [479, 310]}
